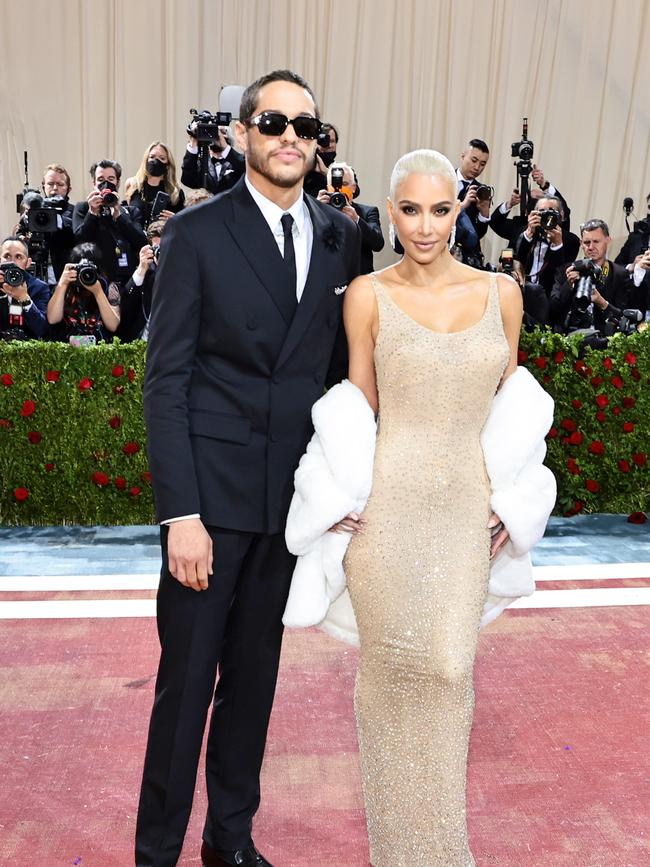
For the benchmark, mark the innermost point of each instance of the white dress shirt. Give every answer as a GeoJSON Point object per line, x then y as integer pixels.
{"type": "Point", "coordinates": [303, 237]}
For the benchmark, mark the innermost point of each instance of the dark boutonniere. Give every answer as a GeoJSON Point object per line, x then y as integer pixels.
{"type": "Point", "coordinates": [333, 238]}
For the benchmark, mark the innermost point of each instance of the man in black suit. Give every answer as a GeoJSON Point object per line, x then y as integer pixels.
{"type": "Point", "coordinates": [611, 293]}
{"type": "Point", "coordinates": [542, 249]}
{"type": "Point", "coordinates": [510, 227]}
{"type": "Point", "coordinates": [225, 166]}
{"type": "Point", "coordinates": [245, 332]}
{"type": "Point", "coordinates": [366, 217]}
{"type": "Point", "coordinates": [473, 161]}
{"type": "Point", "coordinates": [637, 242]}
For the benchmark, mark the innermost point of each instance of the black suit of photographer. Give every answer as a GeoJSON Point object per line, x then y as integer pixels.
{"type": "Point", "coordinates": [62, 241]}
{"type": "Point", "coordinates": [372, 238]}
{"type": "Point", "coordinates": [472, 211]}
{"type": "Point", "coordinates": [124, 234]}
{"type": "Point", "coordinates": [525, 251]}
{"type": "Point", "coordinates": [231, 169]}
{"type": "Point", "coordinates": [617, 289]}
{"type": "Point", "coordinates": [135, 307]}
{"type": "Point", "coordinates": [35, 323]}
{"type": "Point", "coordinates": [635, 245]}
{"type": "Point", "coordinates": [511, 228]}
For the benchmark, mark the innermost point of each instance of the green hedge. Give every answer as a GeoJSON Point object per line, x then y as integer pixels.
{"type": "Point", "coordinates": [72, 431]}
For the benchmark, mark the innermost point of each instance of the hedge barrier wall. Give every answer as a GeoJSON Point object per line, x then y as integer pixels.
{"type": "Point", "coordinates": [72, 437]}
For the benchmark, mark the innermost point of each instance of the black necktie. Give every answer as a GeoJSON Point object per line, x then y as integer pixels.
{"type": "Point", "coordinates": [290, 253]}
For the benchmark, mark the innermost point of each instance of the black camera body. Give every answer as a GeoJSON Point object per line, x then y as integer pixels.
{"type": "Point", "coordinates": [522, 150]}
{"type": "Point", "coordinates": [587, 268]}
{"type": "Point", "coordinates": [642, 227]}
{"type": "Point", "coordinates": [41, 212]}
{"type": "Point", "coordinates": [13, 274]}
{"type": "Point", "coordinates": [484, 192]}
{"type": "Point", "coordinates": [337, 199]}
{"type": "Point", "coordinates": [207, 124]}
{"type": "Point", "coordinates": [549, 219]}
{"type": "Point", "coordinates": [87, 273]}
{"type": "Point", "coordinates": [155, 248]}
{"type": "Point", "coordinates": [323, 139]}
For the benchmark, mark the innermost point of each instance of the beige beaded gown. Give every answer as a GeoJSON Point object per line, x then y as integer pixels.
{"type": "Point", "coordinates": [418, 580]}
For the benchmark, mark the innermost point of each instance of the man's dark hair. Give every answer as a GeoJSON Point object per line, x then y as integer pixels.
{"type": "Point", "coordinates": [327, 127]}
{"type": "Point", "coordinates": [592, 225]}
{"type": "Point", "coordinates": [13, 239]}
{"type": "Point", "coordinates": [249, 98]}
{"type": "Point", "coordinates": [155, 230]}
{"type": "Point", "coordinates": [106, 164]}
{"type": "Point", "coordinates": [87, 250]}
{"type": "Point", "coordinates": [479, 144]}
{"type": "Point", "coordinates": [557, 203]}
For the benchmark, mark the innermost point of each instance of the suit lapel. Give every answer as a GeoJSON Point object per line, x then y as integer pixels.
{"type": "Point", "coordinates": [314, 287]}
{"type": "Point", "coordinates": [251, 233]}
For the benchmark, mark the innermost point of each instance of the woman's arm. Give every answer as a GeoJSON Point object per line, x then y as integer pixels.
{"type": "Point", "coordinates": [110, 314]}
{"type": "Point", "coordinates": [361, 320]}
{"type": "Point", "coordinates": [512, 311]}
{"type": "Point", "coordinates": [56, 302]}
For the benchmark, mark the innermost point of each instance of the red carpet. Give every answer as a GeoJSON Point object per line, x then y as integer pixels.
{"type": "Point", "coordinates": [558, 767]}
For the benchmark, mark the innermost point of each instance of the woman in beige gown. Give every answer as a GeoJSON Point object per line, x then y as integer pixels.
{"type": "Point", "coordinates": [430, 341]}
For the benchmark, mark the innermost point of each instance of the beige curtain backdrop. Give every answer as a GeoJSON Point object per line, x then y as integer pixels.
{"type": "Point", "coordinates": [85, 79]}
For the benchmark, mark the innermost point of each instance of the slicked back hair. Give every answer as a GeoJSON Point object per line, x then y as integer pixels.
{"type": "Point", "coordinates": [479, 144]}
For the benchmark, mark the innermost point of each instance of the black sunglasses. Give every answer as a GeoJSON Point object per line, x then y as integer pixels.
{"type": "Point", "coordinates": [275, 123]}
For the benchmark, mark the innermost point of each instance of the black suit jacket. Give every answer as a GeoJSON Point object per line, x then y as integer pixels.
{"type": "Point", "coordinates": [124, 233]}
{"type": "Point", "coordinates": [372, 239]}
{"type": "Point", "coordinates": [61, 242]}
{"type": "Point", "coordinates": [234, 168]}
{"type": "Point", "coordinates": [480, 226]}
{"type": "Point", "coordinates": [232, 373]}
{"type": "Point", "coordinates": [553, 259]}
{"type": "Point", "coordinates": [618, 289]}
{"type": "Point", "coordinates": [635, 245]}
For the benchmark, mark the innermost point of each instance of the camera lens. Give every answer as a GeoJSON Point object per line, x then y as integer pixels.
{"type": "Point", "coordinates": [338, 201]}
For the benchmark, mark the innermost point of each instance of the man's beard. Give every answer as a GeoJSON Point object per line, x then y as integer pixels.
{"type": "Point", "coordinates": [261, 166]}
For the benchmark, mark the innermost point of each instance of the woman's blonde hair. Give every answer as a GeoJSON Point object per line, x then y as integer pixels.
{"type": "Point", "coordinates": [169, 184]}
{"type": "Point", "coordinates": [422, 162]}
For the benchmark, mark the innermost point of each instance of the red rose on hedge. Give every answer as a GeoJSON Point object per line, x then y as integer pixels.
{"type": "Point", "coordinates": [7, 379]}
{"type": "Point", "coordinates": [629, 402]}
{"type": "Point", "coordinates": [34, 437]}
{"type": "Point", "coordinates": [135, 492]}
{"type": "Point", "coordinates": [568, 424]}
{"type": "Point", "coordinates": [573, 467]}
{"type": "Point", "coordinates": [118, 370]}
{"type": "Point", "coordinates": [578, 506]}
{"type": "Point", "coordinates": [579, 365]}
{"type": "Point", "coordinates": [145, 476]}
{"type": "Point", "coordinates": [5, 422]}
{"type": "Point", "coordinates": [576, 438]}
{"type": "Point", "coordinates": [120, 483]}
{"type": "Point", "coordinates": [636, 376]}
{"type": "Point", "coordinates": [608, 364]}
{"type": "Point", "coordinates": [558, 358]}
{"type": "Point", "coordinates": [552, 433]}
{"type": "Point", "coordinates": [131, 448]}
{"type": "Point", "coordinates": [623, 466]}
{"type": "Point", "coordinates": [115, 421]}
{"type": "Point", "coordinates": [576, 404]}
{"type": "Point", "coordinates": [640, 459]}
{"type": "Point", "coordinates": [100, 479]}
{"type": "Point", "coordinates": [637, 518]}
{"type": "Point", "coordinates": [617, 410]}
{"type": "Point", "coordinates": [602, 400]}
{"type": "Point", "coordinates": [596, 447]}
{"type": "Point", "coordinates": [28, 408]}
{"type": "Point", "coordinates": [85, 384]}
{"type": "Point", "coordinates": [592, 485]}
{"type": "Point", "coordinates": [131, 374]}
{"type": "Point", "coordinates": [522, 356]}
{"type": "Point", "coordinates": [540, 362]}
{"type": "Point", "coordinates": [600, 415]}
{"type": "Point", "coordinates": [21, 494]}
{"type": "Point", "coordinates": [596, 381]}
{"type": "Point", "coordinates": [628, 427]}
{"type": "Point", "coordinates": [52, 376]}
{"type": "Point", "coordinates": [617, 382]}
{"type": "Point", "coordinates": [49, 466]}
{"type": "Point", "coordinates": [630, 358]}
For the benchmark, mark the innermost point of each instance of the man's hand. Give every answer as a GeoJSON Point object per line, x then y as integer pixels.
{"type": "Point", "coordinates": [18, 293]}
{"type": "Point", "coordinates": [514, 199]}
{"type": "Point", "coordinates": [145, 259]}
{"type": "Point", "coordinates": [116, 210]}
{"type": "Point", "coordinates": [598, 299]}
{"type": "Point", "coordinates": [95, 202]}
{"type": "Point", "coordinates": [189, 552]}
{"type": "Point", "coordinates": [555, 237]}
{"type": "Point", "coordinates": [470, 198]}
{"type": "Point", "coordinates": [571, 275]}
{"type": "Point", "coordinates": [165, 214]}
{"type": "Point", "coordinates": [538, 176]}
{"type": "Point", "coordinates": [323, 196]}
{"type": "Point", "coordinates": [484, 207]}
{"type": "Point", "coordinates": [499, 534]}
{"type": "Point", "coordinates": [643, 261]}
{"type": "Point", "coordinates": [319, 165]}
{"type": "Point", "coordinates": [533, 224]}
{"type": "Point", "coordinates": [349, 211]}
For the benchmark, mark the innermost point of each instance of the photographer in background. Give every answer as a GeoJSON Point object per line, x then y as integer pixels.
{"type": "Point", "coordinates": [342, 179]}
{"type": "Point", "coordinates": [536, 304]}
{"type": "Point", "coordinates": [116, 229]}
{"type": "Point", "coordinates": [637, 243]}
{"type": "Point", "coordinates": [135, 303]}
{"type": "Point", "coordinates": [84, 304]}
{"type": "Point", "coordinates": [327, 143]}
{"type": "Point", "coordinates": [154, 189]}
{"type": "Point", "coordinates": [544, 246]}
{"type": "Point", "coordinates": [474, 197]}
{"type": "Point", "coordinates": [575, 305]}
{"type": "Point", "coordinates": [225, 165]}
{"type": "Point", "coordinates": [510, 227]}
{"type": "Point", "coordinates": [23, 298]}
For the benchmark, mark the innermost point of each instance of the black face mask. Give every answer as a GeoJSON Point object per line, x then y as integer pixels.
{"type": "Point", "coordinates": [107, 185]}
{"type": "Point", "coordinates": [156, 168]}
{"type": "Point", "coordinates": [328, 158]}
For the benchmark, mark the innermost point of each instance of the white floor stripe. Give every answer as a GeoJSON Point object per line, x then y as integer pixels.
{"type": "Point", "coordinates": [59, 583]}
{"type": "Point", "coordinates": [103, 608]}
{"type": "Point", "coordinates": [591, 571]}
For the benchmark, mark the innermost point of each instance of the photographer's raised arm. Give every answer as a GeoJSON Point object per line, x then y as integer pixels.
{"type": "Point", "coordinates": [57, 301]}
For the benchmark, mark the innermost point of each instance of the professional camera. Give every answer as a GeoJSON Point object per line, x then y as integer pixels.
{"type": "Point", "coordinates": [629, 320]}
{"type": "Point", "coordinates": [484, 193]}
{"type": "Point", "coordinates": [41, 212]}
{"type": "Point", "coordinates": [338, 199]}
{"type": "Point", "coordinates": [588, 268]}
{"type": "Point", "coordinates": [522, 152]}
{"type": "Point", "coordinates": [204, 125]}
{"type": "Point", "coordinates": [87, 272]}
{"type": "Point", "coordinates": [506, 260]}
{"type": "Point", "coordinates": [14, 276]}
{"type": "Point", "coordinates": [523, 149]}
{"type": "Point", "coordinates": [323, 139]}
{"type": "Point", "coordinates": [156, 252]}
{"type": "Point", "coordinates": [549, 219]}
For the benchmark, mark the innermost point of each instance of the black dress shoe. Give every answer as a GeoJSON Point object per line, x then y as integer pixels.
{"type": "Point", "coordinates": [249, 857]}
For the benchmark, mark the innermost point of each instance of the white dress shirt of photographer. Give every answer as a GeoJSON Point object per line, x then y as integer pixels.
{"type": "Point", "coordinates": [23, 307]}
